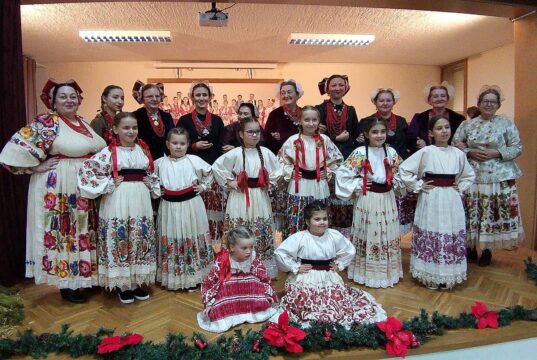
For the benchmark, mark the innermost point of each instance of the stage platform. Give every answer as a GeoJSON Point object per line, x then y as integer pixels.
{"type": "Point", "coordinates": [504, 283]}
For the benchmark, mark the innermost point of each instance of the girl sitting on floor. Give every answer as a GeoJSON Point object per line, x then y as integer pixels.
{"type": "Point", "coordinates": [314, 291]}
{"type": "Point", "coordinates": [237, 289]}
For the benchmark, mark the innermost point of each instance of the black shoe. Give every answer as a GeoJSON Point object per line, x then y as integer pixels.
{"type": "Point", "coordinates": [126, 297]}
{"type": "Point", "coordinates": [140, 294]}
{"type": "Point", "coordinates": [486, 257]}
{"type": "Point", "coordinates": [471, 254]}
{"type": "Point", "coordinates": [73, 296]}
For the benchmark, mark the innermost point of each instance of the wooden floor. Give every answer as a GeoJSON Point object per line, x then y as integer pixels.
{"type": "Point", "coordinates": [502, 284]}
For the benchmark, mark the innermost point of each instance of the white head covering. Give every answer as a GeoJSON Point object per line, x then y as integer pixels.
{"type": "Point", "coordinates": [427, 90]}
{"type": "Point", "coordinates": [396, 95]}
{"type": "Point", "coordinates": [194, 83]}
{"type": "Point", "coordinates": [491, 87]}
{"type": "Point", "coordinates": [298, 88]}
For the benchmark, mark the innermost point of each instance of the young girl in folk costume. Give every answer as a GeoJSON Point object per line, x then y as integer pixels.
{"type": "Point", "coordinates": [185, 252]}
{"type": "Point", "coordinates": [247, 172]}
{"type": "Point", "coordinates": [440, 174]}
{"type": "Point", "coordinates": [309, 160]}
{"type": "Point", "coordinates": [314, 291]}
{"type": "Point", "coordinates": [61, 224]}
{"type": "Point", "coordinates": [339, 122]}
{"type": "Point", "coordinates": [206, 131]}
{"type": "Point", "coordinates": [237, 289]}
{"type": "Point", "coordinates": [112, 101]}
{"type": "Point", "coordinates": [123, 174]}
{"type": "Point", "coordinates": [368, 173]}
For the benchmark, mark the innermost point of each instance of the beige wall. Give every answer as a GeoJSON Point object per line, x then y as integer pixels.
{"type": "Point", "coordinates": [494, 67]}
{"type": "Point", "coordinates": [526, 118]}
{"type": "Point", "coordinates": [408, 79]}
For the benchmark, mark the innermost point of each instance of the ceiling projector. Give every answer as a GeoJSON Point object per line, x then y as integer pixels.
{"type": "Point", "coordinates": [213, 17]}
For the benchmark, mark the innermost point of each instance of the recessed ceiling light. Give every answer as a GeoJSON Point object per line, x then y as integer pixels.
{"type": "Point", "coordinates": [330, 39]}
{"type": "Point", "coordinates": [125, 36]}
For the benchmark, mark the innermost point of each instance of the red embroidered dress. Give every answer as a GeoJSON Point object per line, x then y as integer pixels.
{"type": "Point", "coordinates": [234, 293]}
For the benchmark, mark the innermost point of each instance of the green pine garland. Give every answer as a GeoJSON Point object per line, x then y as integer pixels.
{"type": "Point", "coordinates": [531, 269]}
{"type": "Point", "coordinates": [240, 346]}
{"type": "Point", "coordinates": [11, 310]}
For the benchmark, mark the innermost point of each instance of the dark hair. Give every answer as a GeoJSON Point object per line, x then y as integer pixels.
{"type": "Point", "coordinates": [473, 112]}
{"type": "Point", "coordinates": [490, 91]}
{"type": "Point", "coordinates": [203, 85]}
{"type": "Point", "coordinates": [107, 90]}
{"type": "Point", "coordinates": [239, 232]}
{"type": "Point", "coordinates": [316, 205]}
{"type": "Point", "coordinates": [249, 106]}
{"type": "Point", "coordinates": [291, 83]}
{"type": "Point", "coordinates": [432, 121]}
{"type": "Point", "coordinates": [178, 131]}
{"type": "Point", "coordinates": [384, 91]}
{"type": "Point", "coordinates": [371, 121]}
{"type": "Point", "coordinates": [150, 86]}
{"type": "Point", "coordinates": [436, 88]}
{"type": "Point", "coordinates": [57, 88]}
{"type": "Point", "coordinates": [242, 125]}
{"type": "Point", "coordinates": [122, 115]}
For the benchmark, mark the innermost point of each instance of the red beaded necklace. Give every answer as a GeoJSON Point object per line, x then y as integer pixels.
{"type": "Point", "coordinates": [80, 128]}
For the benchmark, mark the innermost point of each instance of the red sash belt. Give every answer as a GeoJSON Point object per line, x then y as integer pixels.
{"type": "Point", "coordinates": [379, 188]}
{"type": "Point", "coordinates": [65, 157]}
{"type": "Point", "coordinates": [440, 180]}
{"type": "Point", "coordinates": [132, 174]}
{"type": "Point", "coordinates": [318, 264]}
{"type": "Point", "coordinates": [179, 196]}
{"type": "Point", "coordinates": [309, 174]}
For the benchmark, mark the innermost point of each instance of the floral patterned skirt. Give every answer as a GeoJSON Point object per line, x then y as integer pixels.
{"type": "Point", "coordinates": [127, 240]}
{"type": "Point", "coordinates": [61, 230]}
{"type": "Point", "coordinates": [323, 296]}
{"type": "Point", "coordinates": [375, 235]}
{"type": "Point", "coordinates": [215, 200]}
{"type": "Point", "coordinates": [439, 238]}
{"type": "Point", "coordinates": [493, 216]}
{"type": "Point", "coordinates": [258, 218]}
{"type": "Point", "coordinates": [185, 251]}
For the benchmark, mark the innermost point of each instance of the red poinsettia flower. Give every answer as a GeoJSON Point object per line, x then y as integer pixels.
{"type": "Point", "coordinates": [399, 340]}
{"type": "Point", "coordinates": [283, 335]}
{"type": "Point", "coordinates": [485, 318]}
{"type": "Point", "coordinates": [114, 343]}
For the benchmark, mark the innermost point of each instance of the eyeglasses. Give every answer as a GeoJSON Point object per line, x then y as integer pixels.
{"type": "Point", "coordinates": [489, 102]}
{"type": "Point", "coordinates": [253, 132]}
{"type": "Point", "coordinates": [152, 97]}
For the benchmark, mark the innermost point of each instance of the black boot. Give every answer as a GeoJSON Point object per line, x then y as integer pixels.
{"type": "Point", "coordinates": [486, 257]}
{"type": "Point", "coordinates": [73, 296]}
{"type": "Point", "coordinates": [471, 254]}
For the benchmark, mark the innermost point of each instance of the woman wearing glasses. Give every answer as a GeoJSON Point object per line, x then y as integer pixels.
{"type": "Point", "coordinates": [247, 172]}
{"type": "Point", "coordinates": [153, 123]}
{"type": "Point", "coordinates": [492, 143]}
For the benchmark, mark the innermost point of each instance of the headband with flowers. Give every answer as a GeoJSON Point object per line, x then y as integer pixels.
{"type": "Point", "coordinates": [299, 89]}
{"type": "Point", "coordinates": [324, 83]}
{"type": "Point", "coordinates": [205, 82]}
{"type": "Point", "coordinates": [427, 90]}
{"type": "Point", "coordinates": [137, 91]}
{"type": "Point", "coordinates": [491, 87]}
{"type": "Point", "coordinates": [48, 89]}
{"type": "Point", "coordinates": [396, 95]}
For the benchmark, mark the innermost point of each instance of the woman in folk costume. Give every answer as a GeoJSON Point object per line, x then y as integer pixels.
{"type": "Point", "coordinates": [492, 144]}
{"type": "Point", "coordinates": [440, 174]}
{"type": "Point", "coordinates": [175, 111]}
{"type": "Point", "coordinates": [437, 96]}
{"type": "Point", "coordinates": [367, 174]}
{"type": "Point", "coordinates": [309, 160]}
{"type": "Point", "coordinates": [340, 122]}
{"type": "Point", "coordinates": [185, 252]}
{"type": "Point", "coordinates": [61, 224]}
{"type": "Point", "coordinates": [112, 101]}
{"type": "Point", "coordinates": [314, 291]}
{"type": "Point", "coordinates": [122, 174]}
{"type": "Point", "coordinates": [153, 122]}
{"type": "Point", "coordinates": [206, 132]}
{"type": "Point", "coordinates": [238, 289]}
{"type": "Point", "coordinates": [247, 172]}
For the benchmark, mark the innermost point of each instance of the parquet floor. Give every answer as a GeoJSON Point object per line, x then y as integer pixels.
{"type": "Point", "coordinates": [502, 284]}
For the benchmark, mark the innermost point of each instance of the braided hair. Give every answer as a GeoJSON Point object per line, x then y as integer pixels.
{"type": "Point", "coordinates": [368, 125]}
{"type": "Point", "coordinates": [242, 125]}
